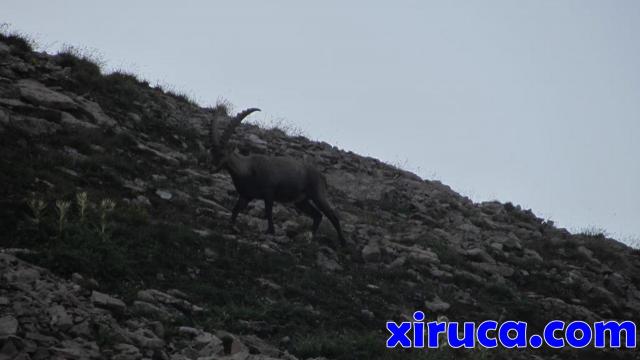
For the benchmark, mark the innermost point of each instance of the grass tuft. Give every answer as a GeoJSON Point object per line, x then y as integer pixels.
{"type": "Point", "coordinates": [20, 43]}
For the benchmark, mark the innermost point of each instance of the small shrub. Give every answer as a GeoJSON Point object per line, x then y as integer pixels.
{"type": "Point", "coordinates": [82, 201]}
{"type": "Point", "coordinates": [37, 206]}
{"type": "Point", "coordinates": [62, 209]}
{"type": "Point", "coordinates": [594, 231]}
{"type": "Point", "coordinates": [116, 90]}
{"type": "Point", "coordinates": [280, 125]}
{"type": "Point", "coordinates": [21, 44]}
{"type": "Point", "coordinates": [223, 107]}
{"type": "Point", "coordinates": [106, 207]}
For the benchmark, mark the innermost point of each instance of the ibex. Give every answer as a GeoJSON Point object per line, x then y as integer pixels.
{"type": "Point", "coordinates": [269, 178]}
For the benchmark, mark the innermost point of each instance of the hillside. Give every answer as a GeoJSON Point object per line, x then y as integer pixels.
{"type": "Point", "coordinates": [147, 265]}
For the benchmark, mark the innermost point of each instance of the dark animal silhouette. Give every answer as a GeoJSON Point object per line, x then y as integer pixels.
{"type": "Point", "coordinates": [269, 178]}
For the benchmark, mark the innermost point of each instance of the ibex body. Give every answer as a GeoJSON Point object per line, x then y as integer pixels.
{"type": "Point", "coordinates": [271, 178]}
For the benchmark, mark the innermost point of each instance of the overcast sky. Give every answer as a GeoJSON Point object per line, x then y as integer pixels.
{"type": "Point", "coordinates": [534, 102]}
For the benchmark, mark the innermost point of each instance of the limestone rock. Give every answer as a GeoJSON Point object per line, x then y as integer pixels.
{"type": "Point", "coordinates": [60, 318]}
{"type": "Point", "coordinates": [38, 94]}
{"type": "Point", "coordinates": [436, 305]}
{"type": "Point", "coordinates": [371, 252]}
{"type": "Point", "coordinates": [108, 302]}
{"type": "Point", "coordinates": [8, 326]}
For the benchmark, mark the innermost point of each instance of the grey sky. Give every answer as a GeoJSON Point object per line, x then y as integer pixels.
{"type": "Point", "coordinates": [534, 102]}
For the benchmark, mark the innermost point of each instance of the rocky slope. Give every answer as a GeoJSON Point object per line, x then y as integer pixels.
{"type": "Point", "coordinates": [188, 284]}
{"type": "Point", "coordinates": [52, 318]}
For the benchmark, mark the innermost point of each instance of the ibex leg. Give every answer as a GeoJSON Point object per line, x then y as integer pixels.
{"type": "Point", "coordinates": [326, 209]}
{"type": "Point", "coordinates": [268, 210]}
{"type": "Point", "coordinates": [307, 208]}
{"type": "Point", "coordinates": [241, 204]}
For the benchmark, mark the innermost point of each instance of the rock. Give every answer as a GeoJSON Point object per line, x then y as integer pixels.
{"type": "Point", "coordinates": [142, 200]}
{"type": "Point", "coordinates": [258, 346]}
{"type": "Point", "coordinates": [371, 252]}
{"type": "Point", "coordinates": [158, 328]}
{"type": "Point", "coordinates": [397, 263]}
{"type": "Point", "coordinates": [172, 157]}
{"type": "Point", "coordinates": [60, 318]}
{"type": "Point", "coordinates": [159, 297]}
{"type": "Point", "coordinates": [70, 121]}
{"type": "Point", "coordinates": [508, 242]}
{"type": "Point", "coordinates": [178, 294]}
{"type": "Point", "coordinates": [423, 255]}
{"type": "Point", "coordinates": [164, 194]}
{"type": "Point", "coordinates": [4, 48]}
{"type": "Point", "coordinates": [367, 314]}
{"type": "Point", "coordinates": [469, 228]}
{"type": "Point", "coordinates": [126, 352]}
{"type": "Point", "coordinates": [436, 305]}
{"type": "Point", "coordinates": [89, 284]}
{"type": "Point", "coordinates": [135, 117]}
{"type": "Point", "coordinates": [28, 275]}
{"type": "Point", "coordinates": [34, 126]}
{"type": "Point", "coordinates": [269, 284]}
{"type": "Point", "coordinates": [40, 339]}
{"type": "Point", "coordinates": [145, 338]}
{"type": "Point", "coordinates": [95, 113]}
{"type": "Point", "coordinates": [77, 349]}
{"type": "Point", "coordinates": [327, 260]}
{"type": "Point", "coordinates": [479, 255]}
{"type": "Point", "coordinates": [587, 253]}
{"type": "Point", "coordinates": [490, 269]}
{"type": "Point", "coordinates": [107, 302]}
{"type": "Point", "coordinates": [616, 284]}
{"type": "Point", "coordinates": [144, 308]}
{"type": "Point", "coordinates": [81, 330]}
{"type": "Point", "coordinates": [203, 338]}
{"type": "Point", "coordinates": [9, 350]}
{"type": "Point", "coordinates": [38, 94]}
{"type": "Point", "coordinates": [4, 118]}
{"type": "Point", "coordinates": [438, 273]}
{"type": "Point", "coordinates": [188, 331]}
{"type": "Point", "coordinates": [8, 326]}
{"type": "Point", "coordinates": [532, 256]}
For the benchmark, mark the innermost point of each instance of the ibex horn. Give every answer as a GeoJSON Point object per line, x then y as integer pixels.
{"type": "Point", "coordinates": [233, 124]}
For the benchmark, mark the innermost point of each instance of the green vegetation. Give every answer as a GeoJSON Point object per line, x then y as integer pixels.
{"type": "Point", "coordinates": [21, 43]}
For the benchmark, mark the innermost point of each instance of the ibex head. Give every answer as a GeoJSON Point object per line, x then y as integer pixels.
{"type": "Point", "coordinates": [219, 150]}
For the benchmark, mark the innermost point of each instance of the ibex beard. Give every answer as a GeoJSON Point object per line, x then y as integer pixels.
{"type": "Point", "coordinates": [270, 178]}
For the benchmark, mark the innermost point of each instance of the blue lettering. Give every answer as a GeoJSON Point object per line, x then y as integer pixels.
{"type": "Point", "coordinates": [398, 334]}
{"type": "Point", "coordinates": [520, 329]}
{"type": "Point", "coordinates": [435, 328]}
{"type": "Point", "coordinates": [468, 338]}
{"type": "Point", "coordinates": [585, 334]}
{"type": "Point", "coordinates": [549, 334]}
{"type": "Point", "coordinates": [483, 334]}
{"type": "Point", "coordinates": [615, 330]}
{"type": "Point", "coordinates": [418, 329]}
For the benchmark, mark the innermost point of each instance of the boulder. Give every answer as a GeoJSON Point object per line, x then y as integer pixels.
{"type": "Point", "coordinates": [25, 275]}
{"type": "Point", "coordinates": [60, 319]}
{"type": "Point", "coordinates": [371, 252]}
{"type": "Point", "coordinates": [107, 302]}
{"type": "Point", "coordinates": [38, 94]}
{"type": "Point", "coordinates": [328, 260]}
{"type": "Point", "coordinates": [144, 308]}
{"type": "Point", "coordinates": [8, 326]}
{"type": "Point", "coordinates": [436, 305]}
